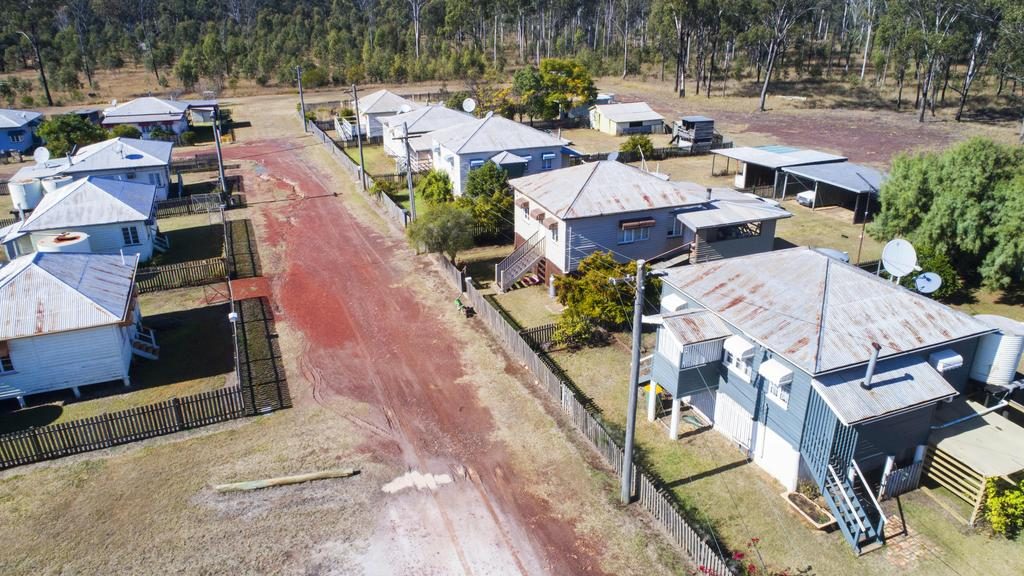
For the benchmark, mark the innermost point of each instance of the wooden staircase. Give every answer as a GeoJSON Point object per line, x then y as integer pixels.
{"type": "Point", "coordinates": [858, 513]}
{"type": "Point", "coordinates": [144, 344]}
{"type": "Point", "coordinates": [519, 262]}
{"type": "Point", "coordinates": [161, 243]}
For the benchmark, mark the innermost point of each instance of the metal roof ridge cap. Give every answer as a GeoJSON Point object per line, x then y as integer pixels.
{"type": "Point", "coordinates": [903, 353]}
{"type": "Point", "coordinates": [821, 315]}
{"type": "Point", "coordinates": [483, 121]}
{"type": "Point", "coordinates": [582, 188]}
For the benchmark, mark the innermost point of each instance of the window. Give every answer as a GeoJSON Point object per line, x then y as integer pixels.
{"type": "Point", "coordinates": [777, 380]}
{"type": "Point", "coordinates": [474, 164]}
{"type": "Point", "coordinates": [631, 235]}
{"type": "Point", "coordinates": [547, 161]}
{"type": "Point", "coordinates": [155, 179]}
{"type": "Point", "coordinates": [130, 176]}
{"type": "Point", "coordinates": [17, 136]}
{"type": "Point", "coordinates": [130, 234]}
{"type": "Point", "coordinates": [737, 365]}
{"type": "Point", "coordinates": [554, 232]}
{"type": "Point", "coordinates": [6, 365]}
{"type": "Point", "coordinates": [526, 210]}
{"type": "Point", "coordinates": [677, 227]}
{"type": "Point", "coordinates": [778, 392]}
{"type": "Point", "coordinates": [748, 230]}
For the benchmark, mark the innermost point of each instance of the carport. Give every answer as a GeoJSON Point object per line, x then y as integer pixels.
{"type": "Point", "coordinates": [844, 184]}
{"type": "Point", "coordinates": [759, 167]}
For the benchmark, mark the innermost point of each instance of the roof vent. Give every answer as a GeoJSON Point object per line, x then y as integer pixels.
{"type": "Point", "coordinates": [876, 348]}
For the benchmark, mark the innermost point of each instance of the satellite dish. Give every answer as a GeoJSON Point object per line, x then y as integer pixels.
{"type": "Point", "coordinates": [41, 155]}
{"type": "Point", "coordinates": [469, 105]}
{"type": "Point", "coordinates": [405, 108]}
{"type": "Point", "coordinates": [928, 282]}
{"type": "Point", "coordinates": [899, 258]}
{"type": "Point", "coordinates": [613, 157]}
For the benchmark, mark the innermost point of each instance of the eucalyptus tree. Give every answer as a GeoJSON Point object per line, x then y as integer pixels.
{"type": "Point", "coordinates": [778, 18]}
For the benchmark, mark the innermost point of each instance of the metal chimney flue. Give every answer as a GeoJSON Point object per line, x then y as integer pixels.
{"type": "Point", "coordinates": [709, 193]}
{"type": "Point", "coordinates": [876, 348]}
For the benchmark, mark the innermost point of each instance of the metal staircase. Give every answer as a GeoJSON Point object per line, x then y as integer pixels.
{"type": "Point", "coordinates": [519, 262]}
{"type": "Point", "coordinates": [858, 513]}
{"type": "Point", "coordinates": [144, 343]}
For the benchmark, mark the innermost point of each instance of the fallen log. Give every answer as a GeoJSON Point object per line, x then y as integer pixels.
{"type": "Point", "coordinates": [284, 480]}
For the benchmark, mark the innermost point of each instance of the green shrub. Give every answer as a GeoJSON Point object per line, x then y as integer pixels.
{"type": "Point", "coordinates": [125, 131]}
{"type": "Point", "coordinates": [28, 101]}
{"type": "Point", "coordinates": [574, 330]}
{"type": "Point", "coordinates": [638, 141]}
{"type": "Point", "coordinates": [188, 138]}
{"type": "Point", "coordinates": [435, 187]}
{"type": "Point", "coordinates": [1004, 508]}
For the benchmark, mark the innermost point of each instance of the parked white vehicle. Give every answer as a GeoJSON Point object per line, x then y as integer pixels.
{"type": "Point", "coordinates": [806, 198]}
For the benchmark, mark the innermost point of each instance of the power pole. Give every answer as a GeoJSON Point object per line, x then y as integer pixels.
{"type": "Point", "coordinates": [408, 171]}
{"type": "Point", "coordinates": [302, 99]}
{"type": "Point", "coordinates": [220, 157]}
{"type": "Point", "coordinates": [359, 139]}
{"type": "Point", "coordinates": [626, 493]}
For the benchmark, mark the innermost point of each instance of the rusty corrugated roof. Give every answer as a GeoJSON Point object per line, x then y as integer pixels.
{"type": "Point", "coordinates": [92, 201]}
{"type": "Point", "coordinates": [42, 293]}
{"type": "Point", "coordinates": [693, 326]}
{"type": "Point", "coordinates": [817, 312]}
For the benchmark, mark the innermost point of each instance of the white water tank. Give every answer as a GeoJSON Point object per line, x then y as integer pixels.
{"type": "Point", "coordinates": [65, 242]}
{"type": "Point", "coordinates": [25, 194]}
{"type": "Point", "coordinates": [998, 354]}
{"type": "Point", "coordinates": [53, 183]}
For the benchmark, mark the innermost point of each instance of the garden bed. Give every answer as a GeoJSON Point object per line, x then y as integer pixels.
{"type": "Point", "coordinates": [815, 515]}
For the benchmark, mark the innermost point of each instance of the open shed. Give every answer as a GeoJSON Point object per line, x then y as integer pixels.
{"type": "Point", "coordinates": [976, 445]}
{"type": "Point", "coordinates": [845, 184]}
{"type": "Point", "coordinates": [760, 168]}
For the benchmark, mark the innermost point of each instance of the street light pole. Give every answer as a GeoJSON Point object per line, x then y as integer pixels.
{"type": "Point", "coordinates": [220, 157]}
{"type": "Point", "coordinates": [359, 139]}
{"type": "Point", "coordinates": [408, 171]}
{"type": "Point", "coordinates": [302, 99]}
{"type": "Point", "coordinates": [626, 492]}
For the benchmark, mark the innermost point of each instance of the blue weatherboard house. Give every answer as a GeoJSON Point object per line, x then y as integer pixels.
{"type": "Point", "coordinates": [18, 129]}
{"type": "Point", "coordinates": [815, 369]}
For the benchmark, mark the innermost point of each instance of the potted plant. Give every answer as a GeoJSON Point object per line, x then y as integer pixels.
{"type": "Point", "coordinates": [805, 502]}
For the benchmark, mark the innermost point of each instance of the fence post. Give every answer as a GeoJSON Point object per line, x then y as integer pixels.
{"type": "Point", "coordinates": [107, 430]}
{"type": "Point", "coordinates": [35, 443]}
{"type": "Point", "coordinates": [179, 419]}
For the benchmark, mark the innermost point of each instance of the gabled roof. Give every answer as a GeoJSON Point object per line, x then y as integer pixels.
{"type": "Point", "coordinates": [16, 118]}
{"type": "Point", "coordinates": [145, 109]}
{"type": "Point", "coordinates": [817, 312]}
{"type": "Point", "coordinates": [493, 134]}
{"type": "Point", "coordinates": [42, 293]}
{"type": "Point", "coordinates": [504, 158]}
{"type": "Point", "coordinates": [383, 102]}
{"type": "Point", "coordinates": [92, 201]}
{"type": "Point", "coordinates": [113, 154]}
{"type": "Point", "coordinates": [775, 157]}
{"type": "Point", "coordinates": [632, 112]}
{"type": "Point", "coordinates": [605, 187]}
{"type": "Point", "coordinates": [427, 119]}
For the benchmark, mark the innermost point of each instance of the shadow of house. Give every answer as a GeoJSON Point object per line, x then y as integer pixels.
{"type": "Point", "coordinates": [26, 418]}
{"type": "Point", "coordinates": [196, 243]}
{"type": "Point", "coordinates": [194, 344]}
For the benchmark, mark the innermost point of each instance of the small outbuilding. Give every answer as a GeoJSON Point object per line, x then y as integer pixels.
{"type": "Point", "coordinates": [621, 119]}
{"type": "Point", "coordinates": [845, 184]}
{"type": "Point", "coordinates": [694, 132]}
{"type": "Point", "coordinates": [760, 168]}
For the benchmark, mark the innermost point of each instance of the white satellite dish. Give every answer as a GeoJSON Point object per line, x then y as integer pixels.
{"type": "Point", "coordinates": [928, 282]}
{"type": "Point", "coordinates": [405, 108]}
{"type": "Point", "coordinates": [613, 157]}
{"type": "Point", "coordinates": [41, 155]}
{"type": "Point", "coordinates": [469, 105]}
{"type": "Point", "coordinates": [899, 258]}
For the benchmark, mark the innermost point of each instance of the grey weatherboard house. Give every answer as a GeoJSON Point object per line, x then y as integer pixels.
{"type": "Point", "coordinates": [777, 351]}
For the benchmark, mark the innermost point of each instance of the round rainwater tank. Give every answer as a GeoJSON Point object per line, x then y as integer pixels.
{"type": "Point", "coordinates": [998, 354]}
{"type": "Point", "coordinates": [65, 242]}
{"type": "Point", "coordinates": [53, 183]}
{"type": "Point", "coordinates": [25, 194]}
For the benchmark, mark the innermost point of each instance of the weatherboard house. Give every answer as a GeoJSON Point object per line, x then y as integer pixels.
{"type": "Point", "coordinates": [419, 123]}
{"type": "Point", "coordinates": [92, 215]}
{"type": "Point", "coordinates": [563, 216]}
{"type": "Point", "coordinates": [814, 368]}
{"type": "Point", "coordinates": [373, 108]}
{"type": "Point", "coordinates": [18, 129]}
{"type": "Point", "coordinates": [515, 147]}
{"type": "Point", "coordinates": [68, 320]}
{"type": "Point", "coordinates": [148, 114]}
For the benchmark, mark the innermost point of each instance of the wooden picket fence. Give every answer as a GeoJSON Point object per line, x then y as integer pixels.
{"type": "Point", "coordinates": [170, 276]}
{"type": "Point", "coordinates": [650, 492]}
{"type": "Point", "coordinates": [195, 204]}
{"type": "Point", "coordinates": [539, 335]}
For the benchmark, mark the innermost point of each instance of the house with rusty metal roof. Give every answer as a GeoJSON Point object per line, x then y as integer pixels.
{"type": "Point", "coordinates": [67, 321]}
{"type": "Point", "coordinates": [563, 216]}
{"type": "Point", "coordinates": [815, 370]}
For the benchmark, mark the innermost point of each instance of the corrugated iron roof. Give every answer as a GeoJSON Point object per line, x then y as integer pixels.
{"type": "Point", "coordinates": [427, 119]}
{"type": "Point", "coordinates": [605, 187]}
{"type": "Point", "coordinates": [724, 212]}
{"type": "Point", "coordinates": [384, 101]}
{"type": "Point", "coordinates": [777, 156]}
{"type": "Point", "coordinates": [693, 326]}
{"type": "Point", "coordinates": [898, 384]}
{"type": "Point", "coordinates": [507, 158]}
{"type": "Point", "coordinates": [147, 106]}
{"type": "Point", "coordinates": [632, 112]}
{"type": "Point", "coordinates": [989, 443]}
{"type": "Point", "coordinates": [42, 293]}
{"type": "Point", "coordinates": [817, 312]}
{"type": "Point", "coordinates": [113, 154]}
{"type": "Point", "coordinates": [846, 175]}
{"type": "Point", "coordinates": [92, 201]}
{"type": "Point", "coordinates": [493, 134]}
{"type": "Point", "coordinates": [17, 118]}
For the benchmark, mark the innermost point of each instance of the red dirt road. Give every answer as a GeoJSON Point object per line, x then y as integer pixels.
{"type": "Point", "coordinates": [367, 339]}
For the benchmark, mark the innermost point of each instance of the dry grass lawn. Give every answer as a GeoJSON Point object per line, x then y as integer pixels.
{"type": "Point", "coordinates": [377, 162]}
{"type": "Point", "coordinates": [825, 228]}
{"type": "Point", "coordinates": [590, 141]}
{"type": "Point", "coordinates": [530, 306]}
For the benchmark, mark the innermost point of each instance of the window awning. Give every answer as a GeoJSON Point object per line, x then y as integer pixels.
{"type": "Point", "coordinates": [738, 347]}
{"type": "Point", "coordinates": [631, 224]}
{"type": "Point", "coordinates": [537, 213]}
{"type": "Point", "coordinates": [547, 156]}
{"type": "Point", "coordinates": [945, 360]}
{"type": "Point", "coordinates": [550, 221]}
{"type": "Point", "coordinates": [775, 371]}
{"type": "Point", "coordinates": [522, 201]}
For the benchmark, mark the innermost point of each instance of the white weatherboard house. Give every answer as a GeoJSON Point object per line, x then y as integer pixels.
{"type": "Point", "coordinates": [419, 122]}
{"type": "Point", "coordinates": [148, 114]}
{"type": "Point", "coordinates": [93, 215]}
{"type": "Point", "coordinates": [379, 105]}
{"type": "Point", "coordinates": [466, 147]}
{"type": "Point", "coordinates": [815, 369]}
{"type": "Point", "coordinates": [561, 217]}
{"type": "Point", "coordinates": [68, 320]}
{"type": "Point", "coordinates": [145, 161]}
{"type": "Point", "coordinates": [620, 119]}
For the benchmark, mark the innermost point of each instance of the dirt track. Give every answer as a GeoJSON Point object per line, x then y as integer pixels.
{"type": "Point", "coordinates": [368, 341]}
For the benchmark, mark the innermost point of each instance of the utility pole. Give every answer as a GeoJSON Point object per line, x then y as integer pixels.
{"type": "Point", "coordinates": [867, 208]}
{"type": "Point", "coordinates": [359, 139]}
{"type": "Point", "coordinates": [220, 157]}
{"type": "Point", "coordinates": [408, 171]}
{"type": "Point", "coordinates": [302, 99]}
{"type": "Point", "coordinates": [626, 492]}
